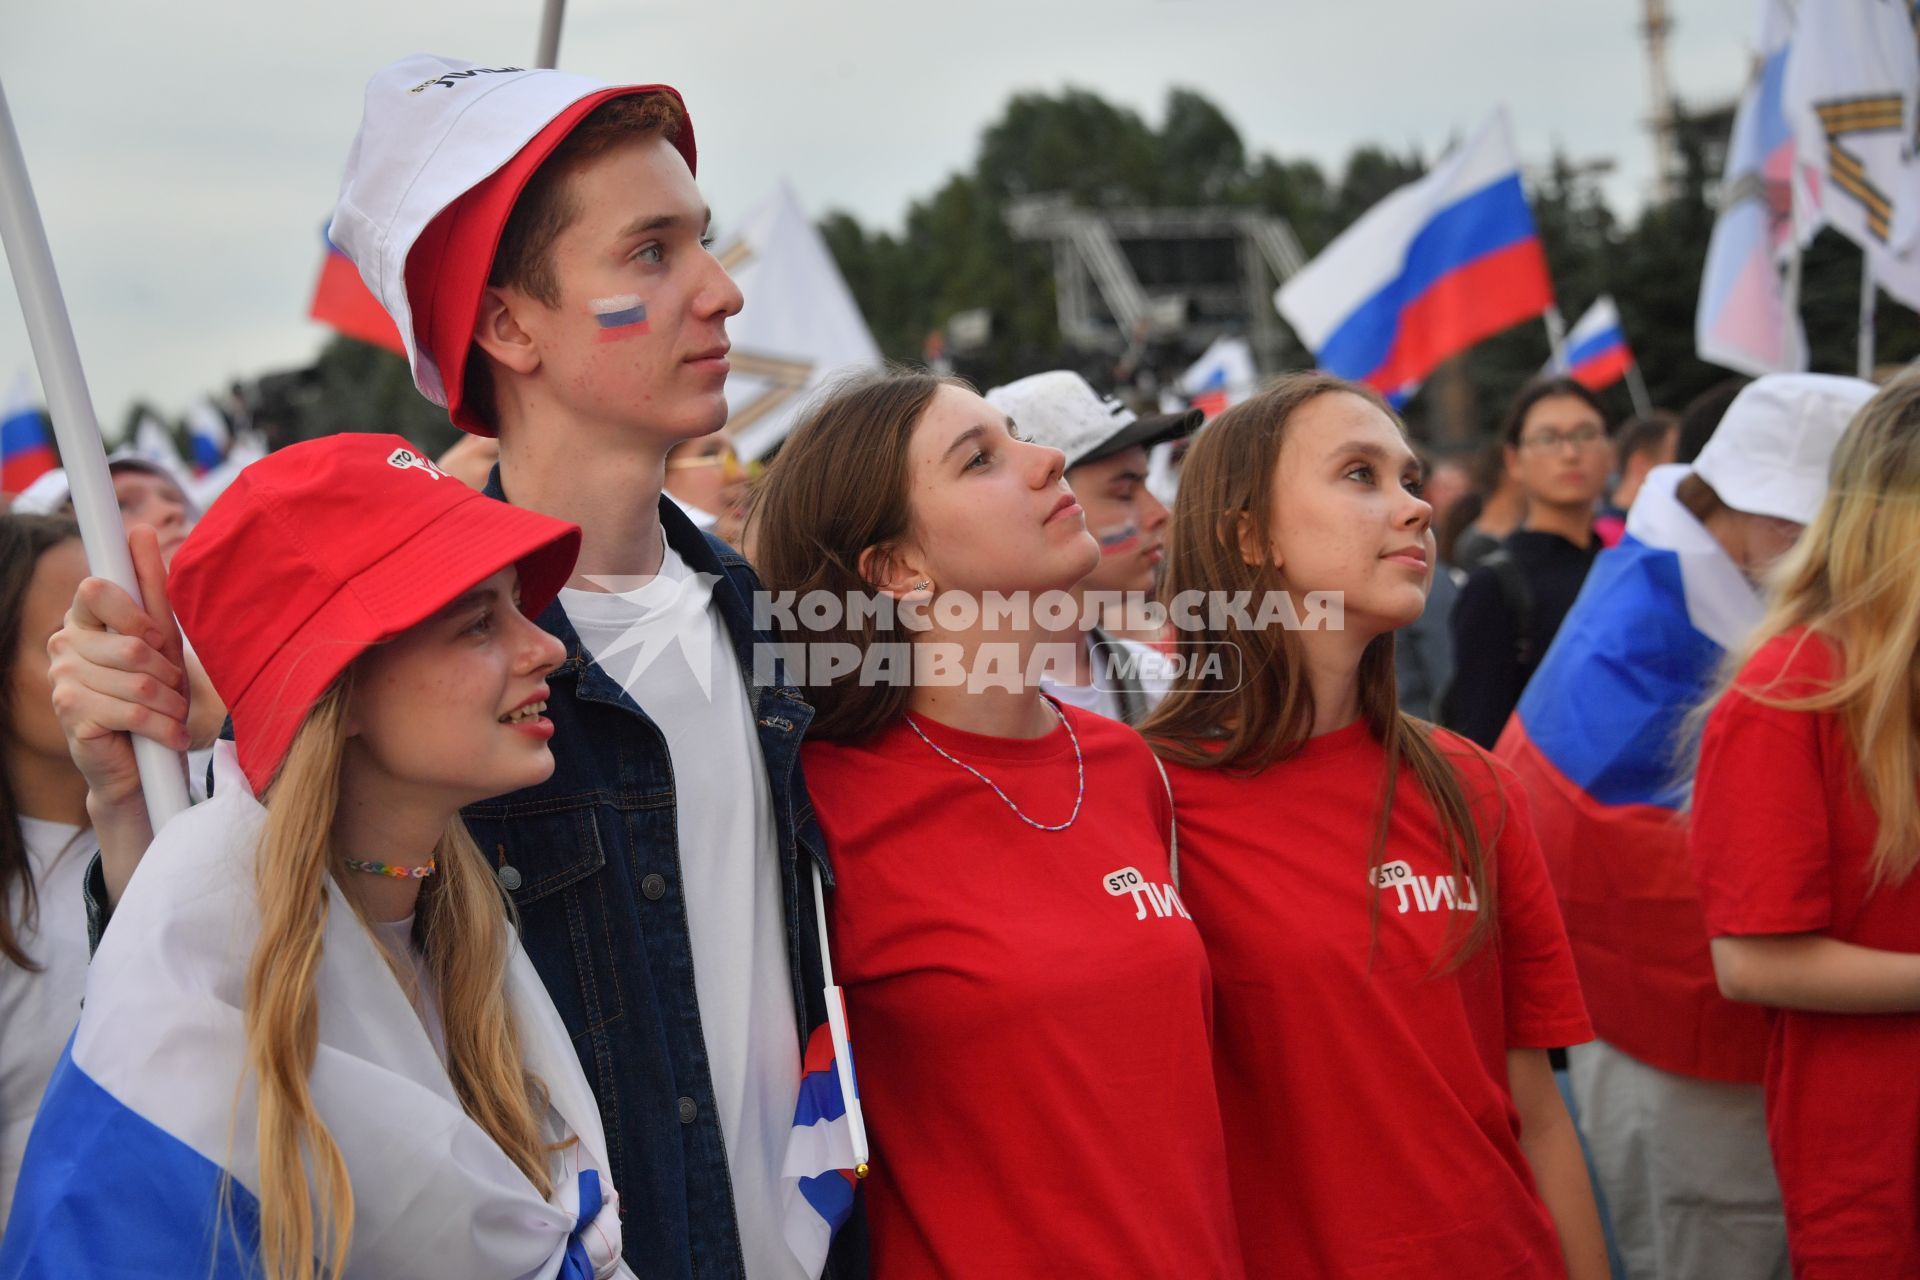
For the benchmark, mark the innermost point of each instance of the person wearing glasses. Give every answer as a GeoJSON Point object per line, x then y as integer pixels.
{"type": "Point", "coordinates": [1511, 606]}
{"type": "Point", "coordinates": [709, 482]}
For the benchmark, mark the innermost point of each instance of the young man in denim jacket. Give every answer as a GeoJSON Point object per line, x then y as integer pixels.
{"type": "Point", "coordinates": [541, 244]}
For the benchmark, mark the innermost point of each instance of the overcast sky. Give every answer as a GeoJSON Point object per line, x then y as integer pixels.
{"type": "Point", "coordinates": [186, 154]}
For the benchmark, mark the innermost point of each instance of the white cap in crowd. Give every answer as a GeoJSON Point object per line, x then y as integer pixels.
{"type": "Point", "coordinates": [1058, 408]}
{"type": "Point", "coordinates": [1770, 454]}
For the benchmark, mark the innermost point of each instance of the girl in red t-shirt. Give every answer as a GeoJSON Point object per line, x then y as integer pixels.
{"type": "Point", "coordinates": [1389, 964]}
{"type": "Point", "coordinates": [1026, 995]}
{"type": "Point", "coordinates": [1805, 836]}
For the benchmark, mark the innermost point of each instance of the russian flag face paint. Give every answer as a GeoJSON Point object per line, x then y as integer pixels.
{"type": "Point", "coordinates": [621, 316]}
{"type": "Point", "coordinates": [1119, 539]}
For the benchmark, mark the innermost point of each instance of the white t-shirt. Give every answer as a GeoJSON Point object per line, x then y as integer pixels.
{"type": "Point", "coordinates": [38, 1010]}
{"type": "Point", "coordinates": [1100, 695]}
{"type": "Point", "coordinates": [667, 646]}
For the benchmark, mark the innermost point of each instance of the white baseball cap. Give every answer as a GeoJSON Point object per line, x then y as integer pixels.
{"type": "Point", "coordinates": [1771, 452]}
{"type": "Point", "coordinates": [440, 136]}
{"type": "Point", "coordinates": [1059, 408]}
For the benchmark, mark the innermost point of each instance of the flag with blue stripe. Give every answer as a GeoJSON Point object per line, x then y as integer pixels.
{"type": "Point", "coordinates": [143, 1160]}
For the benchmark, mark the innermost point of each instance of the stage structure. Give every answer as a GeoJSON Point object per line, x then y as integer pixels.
{"type": "Point", "coordinates": [1124, 277]}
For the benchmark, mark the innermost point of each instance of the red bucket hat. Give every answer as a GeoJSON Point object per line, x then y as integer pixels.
{"type": "Point", "coordinates": [444, 150]}
{"type": "Point", "coordinates": [320, 551]}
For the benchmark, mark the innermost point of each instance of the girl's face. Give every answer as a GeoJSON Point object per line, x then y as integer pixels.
{"type": "Point", "coordinates": [991, 512]}
{"type": "Point", "coordinates": [157, 502]}
{"type": "Point", "coordinates": [31, 722]}
{"type": "Point", "coordinates": [1347, 513]}
{"type": "Point", "coordinates": [452, 706]}
{"type": "Point", "coordinates": [708, 474]}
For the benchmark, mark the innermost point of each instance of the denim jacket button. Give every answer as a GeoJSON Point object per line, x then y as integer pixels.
{"type": "Point", "coordinates": [509, 878]}
{"type": "Point", "coordinates": [654, 887]}
{"type": "Point", "coordinates": [689, 1111]}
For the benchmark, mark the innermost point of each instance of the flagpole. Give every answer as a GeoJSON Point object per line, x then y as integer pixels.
{"type": "Point", "coordinates": [549, 52]}
{"type": "Point", "coordinates": [1556, 335]}
{"type": "Point", "coordinates": [1637, 388]}
{"type": "Point", "coordinates": [1790, 298]}
{"type": "Point", "coordinates": [1869, 296]}
{"type": "Point", "coordinates": [163, 775]}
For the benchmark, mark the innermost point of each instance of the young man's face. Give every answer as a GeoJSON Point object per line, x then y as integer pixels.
{"type": "Point", "coordinates": [1130, 522]}
{"type": "Point", "coordinates": [1563, 456]}
{"type": "Point", "coordinates": [638, 339]}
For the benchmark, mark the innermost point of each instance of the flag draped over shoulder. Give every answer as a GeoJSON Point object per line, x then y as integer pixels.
{"type": "Point", "coordinates": [1596, 739]}
{"type": "Point", "coordinates": [1851, 95]}
{"type": "Point", "coordinates": [143, 1159]}
{"type": "Point", "coordinates": [1429, 271]}
{"type": "Point", "coordinates": [1745, 320]}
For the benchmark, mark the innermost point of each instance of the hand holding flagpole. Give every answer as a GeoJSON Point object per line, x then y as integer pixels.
{"type": "Point", "coordinates": [163, 778]}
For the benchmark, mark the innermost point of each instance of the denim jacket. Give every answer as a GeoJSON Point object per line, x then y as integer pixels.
{"type": "Point", "coordinates": [592, 862]}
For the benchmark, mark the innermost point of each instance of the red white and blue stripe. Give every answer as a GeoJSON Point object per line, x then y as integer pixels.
{"type": "Point", "coordinates": [1223, 376]}
{"type": "Point", "coordinates": [827, 1150]}
{"type": "Point", "coordinates": [1597, 739]}
{"type": "Point", "coordinates": [208, 435]}
{"type": "Point", "coordinates": [143, 1158]}
{"type": "Point", "coordinates": [1429, 271]}
{"type": "Point", "coordinates": [1597, 351]}
{"type": "Point", "coordinates": [1745, 320]}
{"type": "Point", "coordinates": [26, 453]}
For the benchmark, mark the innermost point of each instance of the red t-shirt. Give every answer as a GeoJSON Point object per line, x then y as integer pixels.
{"type": "Point", "coordinates": [1370, 1128]}
{"type": "Point", "coordinates": [1029, 1010]}
{"type": "Point", "coordinates": [1781, 838]}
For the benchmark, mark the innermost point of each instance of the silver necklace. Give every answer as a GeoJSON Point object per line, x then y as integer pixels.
{"type": "Point", "coordinates": [1079, 768]}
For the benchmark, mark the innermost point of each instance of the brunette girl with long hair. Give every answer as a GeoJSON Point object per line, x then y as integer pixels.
{"type": "Point", "coordinates": [1025, 992]}
{"type": "Point", "coordinates": [1805, 835]}
{"type": "Point", "coordinates": [312, 1044]}
{"type": "Point", "coordinates": [1389, 966]}
{"type": "Point", "coordinates": [45, 837]}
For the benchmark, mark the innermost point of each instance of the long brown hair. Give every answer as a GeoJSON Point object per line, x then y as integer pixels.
{"type": "Point", "coordinates": [23, 540]}
{"type": "Point", "coordinates": [1250, 716]}
{"type": "Point", "coordinates": [838, 487]}
{"type": "Point", "coordinates": [1852, 581]}
{"type": "Point", "coordinates": [466, 931]}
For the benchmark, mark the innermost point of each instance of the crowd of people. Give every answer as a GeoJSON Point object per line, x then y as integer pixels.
{"type": "Point", "coordinates": [1360, 865]}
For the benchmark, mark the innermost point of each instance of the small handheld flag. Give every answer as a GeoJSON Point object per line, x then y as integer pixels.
{"type": "Point", "coordinates": [341, 299]}
{"type": "Point", "coordinates": [1597, 352]}
{"type": "Point", "coordinates": [827, 1150]}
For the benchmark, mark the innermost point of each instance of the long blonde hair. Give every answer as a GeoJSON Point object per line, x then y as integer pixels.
{"type": "Point", "coordinates": [1853, 580]}
{"type": "Point", "coordinates": [1248, 718]}
{"type": "Point", "coordinates": [466, 930]}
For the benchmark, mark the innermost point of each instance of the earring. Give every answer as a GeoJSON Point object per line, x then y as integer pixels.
{"type": "Point", "coordinates": [924, 584]}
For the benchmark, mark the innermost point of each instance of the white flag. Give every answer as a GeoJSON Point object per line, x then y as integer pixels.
{"type": "Point", "coordinates": [1852, 99]}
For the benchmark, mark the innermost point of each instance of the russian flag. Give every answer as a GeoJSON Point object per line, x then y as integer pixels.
{"type": "Point", "coordinates": [1597, 741]}
{"type": "Point", "coordinates": [143, 1160]}
{"type": "Point", "coordinates": [209, 436]}
{"type": "Point", "coordinates": [1223, 375]}
{"type": "Point", "coordinates": [1745, 321]}
{"type": "Point", "coordinates": [1597, 351]}
{"type": "Point", "coordinates": [1429, 271]}
{"type": "Point", "coordinates": [341, 299]}
{"type": "Point", "coordinates": [26, 453]}
{"type": "Point", "coordinates": [827, 1150]}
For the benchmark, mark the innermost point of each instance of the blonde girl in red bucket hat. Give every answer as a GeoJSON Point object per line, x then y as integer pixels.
{"type": "Point", "coordinates": [311, 1042]}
